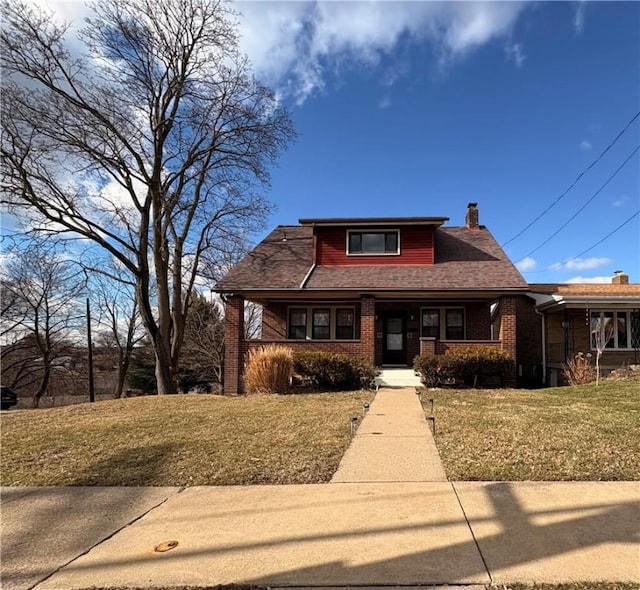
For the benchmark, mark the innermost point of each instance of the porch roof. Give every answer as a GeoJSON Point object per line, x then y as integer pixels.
{"type": "Point", "coordinates": [552, 297]}
{"type": "Point", "coordinates": [465, 260]}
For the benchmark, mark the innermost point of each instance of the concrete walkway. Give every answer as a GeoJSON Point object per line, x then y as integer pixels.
{"type": "Point", "coordinates": [363, 534]}
{"type": "Point", "coordinates": [393, 443]}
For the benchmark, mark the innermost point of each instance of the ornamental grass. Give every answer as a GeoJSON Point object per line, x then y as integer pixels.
{"type": "Point", "coordinates": [268, 370]}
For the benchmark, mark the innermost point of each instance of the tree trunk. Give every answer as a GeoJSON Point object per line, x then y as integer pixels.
{"type": "Point", "coordinates": [123, 367]}
{"type": "Point", "coordinates": [164, 377]}
{"type": "Point", "coordinates": [42, 387]}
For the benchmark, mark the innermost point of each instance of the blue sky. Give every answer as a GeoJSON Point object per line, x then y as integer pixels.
{"type": "Point", "coordinates": [419, 108]}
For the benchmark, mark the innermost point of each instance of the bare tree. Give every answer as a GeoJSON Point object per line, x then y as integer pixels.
{"type": "Point", "coordinates": [252, 320]}
{"type": "Point", "coordinates": [151, 145]}
{"type": "Point", "coordinates": [602, 329]}
{"type": "Point", "coordinates": [204, 338]}
{"type": "Point", "coordinates": [44, 317]}
{"type": "Point", "coordinates": [119, 322]}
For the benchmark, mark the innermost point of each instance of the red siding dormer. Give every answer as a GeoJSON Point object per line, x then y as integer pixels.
{"type": "Point", "coordinates": [415, 245]}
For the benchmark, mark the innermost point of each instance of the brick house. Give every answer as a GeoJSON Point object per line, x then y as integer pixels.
{"type": "Point", "coordinates": [568, 314]}
{"type": "Point", "coordinates": [385, 289]}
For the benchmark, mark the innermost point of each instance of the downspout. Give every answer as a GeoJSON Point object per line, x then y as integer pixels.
{"type": "Point", "coordinates": [544, 346]}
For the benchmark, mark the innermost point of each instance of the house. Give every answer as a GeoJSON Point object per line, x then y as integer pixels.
{"type": "Point", "coordinates": [384, 289]}
{"type": "Point", "coordinates": [569, 315]}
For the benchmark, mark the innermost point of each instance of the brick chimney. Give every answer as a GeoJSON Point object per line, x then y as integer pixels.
{"type": "Point", "coordinates": [620, 278]}
{"type": "Point", "coordinates": [471, 219]}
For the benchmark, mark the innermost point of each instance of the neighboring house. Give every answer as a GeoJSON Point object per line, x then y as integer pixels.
{"type": "Point", "coordinates": [569, 314]}
{"type": "Point", "coordinates": [384, 289]}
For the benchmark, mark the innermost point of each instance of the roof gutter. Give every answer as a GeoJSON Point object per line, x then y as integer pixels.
{"type": "Point", "coordinates": [307, 276]}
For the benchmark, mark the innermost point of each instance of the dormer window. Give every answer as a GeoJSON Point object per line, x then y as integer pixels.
{"type": "Point", "coordinates": [361, 243]}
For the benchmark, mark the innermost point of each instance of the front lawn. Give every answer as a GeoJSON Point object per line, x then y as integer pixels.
{"type": "Point", "coordinates": [562, 433]}
{"type": "Point", "coordinates": [180, 440]}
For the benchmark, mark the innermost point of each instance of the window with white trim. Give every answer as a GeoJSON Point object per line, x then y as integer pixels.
{"type": "Point", "coordinates": [621, 329]}
{"type": "Point", "coordinates": [321, 323]}
{"type": "Point", "coordinates": [361, 243]}
{"type": "Point", "coordinates": [445, 323]}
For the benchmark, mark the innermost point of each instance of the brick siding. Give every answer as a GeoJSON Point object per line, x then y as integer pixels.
{"type": "Point", "coordinates": [507, 310]}
{"type": "Point", "coordinates": [369, 323]}
{"type": "Point", "coordinates": [233, 336]}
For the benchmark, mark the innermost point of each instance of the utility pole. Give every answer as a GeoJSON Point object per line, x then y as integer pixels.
{"type": "Point", "coordinates": [92, 395]}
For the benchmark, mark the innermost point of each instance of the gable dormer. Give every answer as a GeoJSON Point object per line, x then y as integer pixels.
{"type": "Point", "coordinates": [374, 241]}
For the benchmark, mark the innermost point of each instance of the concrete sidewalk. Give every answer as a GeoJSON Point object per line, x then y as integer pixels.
{"type": "Point", "coordinates": [362, 534]}
{"type": "Point", "coordinates": [393, 443]}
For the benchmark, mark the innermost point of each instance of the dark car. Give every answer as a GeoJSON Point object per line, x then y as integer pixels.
{"type": "Point", "coordinates": [9, 398]}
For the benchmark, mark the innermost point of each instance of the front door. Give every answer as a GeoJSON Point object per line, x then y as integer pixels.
{"type": "Point", "coordinates": [394, 350]}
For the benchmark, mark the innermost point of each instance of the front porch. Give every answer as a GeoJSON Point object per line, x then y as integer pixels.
{"type": "Point", "coordinates": [384, 332]}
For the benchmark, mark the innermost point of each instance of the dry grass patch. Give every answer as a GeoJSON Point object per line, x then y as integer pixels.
{"type": "Point", "coordinates": [564, 433]}
{"type": "Point", "coordinates": [180, 440]}
{"type": "Point", "coordinates": [575, 586]}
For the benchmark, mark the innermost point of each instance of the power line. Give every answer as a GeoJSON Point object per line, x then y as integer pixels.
{"type": "Point", "coordinates": [554, 234]}
{"type": "Point", "coordinates": [554, 203]}
{"type": "Point", "coordinates": [556, 266]}
{"type": "Point", "coordinates": [605, 238]}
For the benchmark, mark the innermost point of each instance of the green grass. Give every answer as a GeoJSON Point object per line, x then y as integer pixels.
{"type": "Point", "coordinates": [563, 433]}
{"type": "Point", "coordinates": [180, 441]}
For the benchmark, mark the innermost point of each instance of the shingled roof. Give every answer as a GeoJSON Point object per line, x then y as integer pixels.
{"type": "Point", "coordinates": [465, 260]}
{"type": "Point", "coordinates": [586, 290]}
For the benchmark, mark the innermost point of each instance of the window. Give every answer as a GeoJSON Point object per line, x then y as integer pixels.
{"type": "Point", "coordinates": [321, 329]}
{"type": "Point", "coordinates": [619, 329]}
{"type": "Point", "coordinates": [297, 323]}
{"type": "Point", "coordinates": [454, 324]}
{"type": "Point", "coordinates": [344, 324]}
{"type": "Point", "coordinates": [431, 323]}
{"type": "Point", "coordinates": [373, 242]}
{"type": "Point", "coordinates": [444, 323]}
{"type": "Point", "coordinates": [322, 323]}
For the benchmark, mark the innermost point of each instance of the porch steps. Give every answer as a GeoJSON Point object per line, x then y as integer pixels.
{"type": "Point", "coordinates": [397, 377]}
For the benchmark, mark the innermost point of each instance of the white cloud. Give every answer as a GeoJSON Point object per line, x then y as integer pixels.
{"type": "Point", "coordinates": [585, 144]}
{"type": "Point", "coordinates": [598, 280]}
{"type": "Point", "coordinates": [514, 52]}
{"type": "Point", "coordinates": [620, 202]}
{"type": "Point", "coordinates": [578, 17]}
{"type": "Point", "coordinates": [296, 46]}
{"type": "Point", "coordinates": [582, 264]}
{"type": "Point", "coordinates": [526, 264]}
{"type": "Point", "coordinates": [384, 103]}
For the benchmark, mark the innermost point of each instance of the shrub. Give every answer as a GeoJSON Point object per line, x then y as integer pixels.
{"type": "Point", "coordinates": [470, 365]}
{"type": "Point", "coordinates": [434, 370]}
{"type": "Point", "coordinates": [328, 370]}
{"type": "Point", "coordinates": [473, 364]}
{"type": "Point", "coordinates": [579, 370]}
{"type": "Point", "coordinates": [268, 369]}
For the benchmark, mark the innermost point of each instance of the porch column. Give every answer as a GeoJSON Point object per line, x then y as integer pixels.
{"type": "Point", "coordinates": [508, 336]}
{"type": "Point", "coordinates": [368, 327]}
{"type": "Point", "coordinates": [233, 335]}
